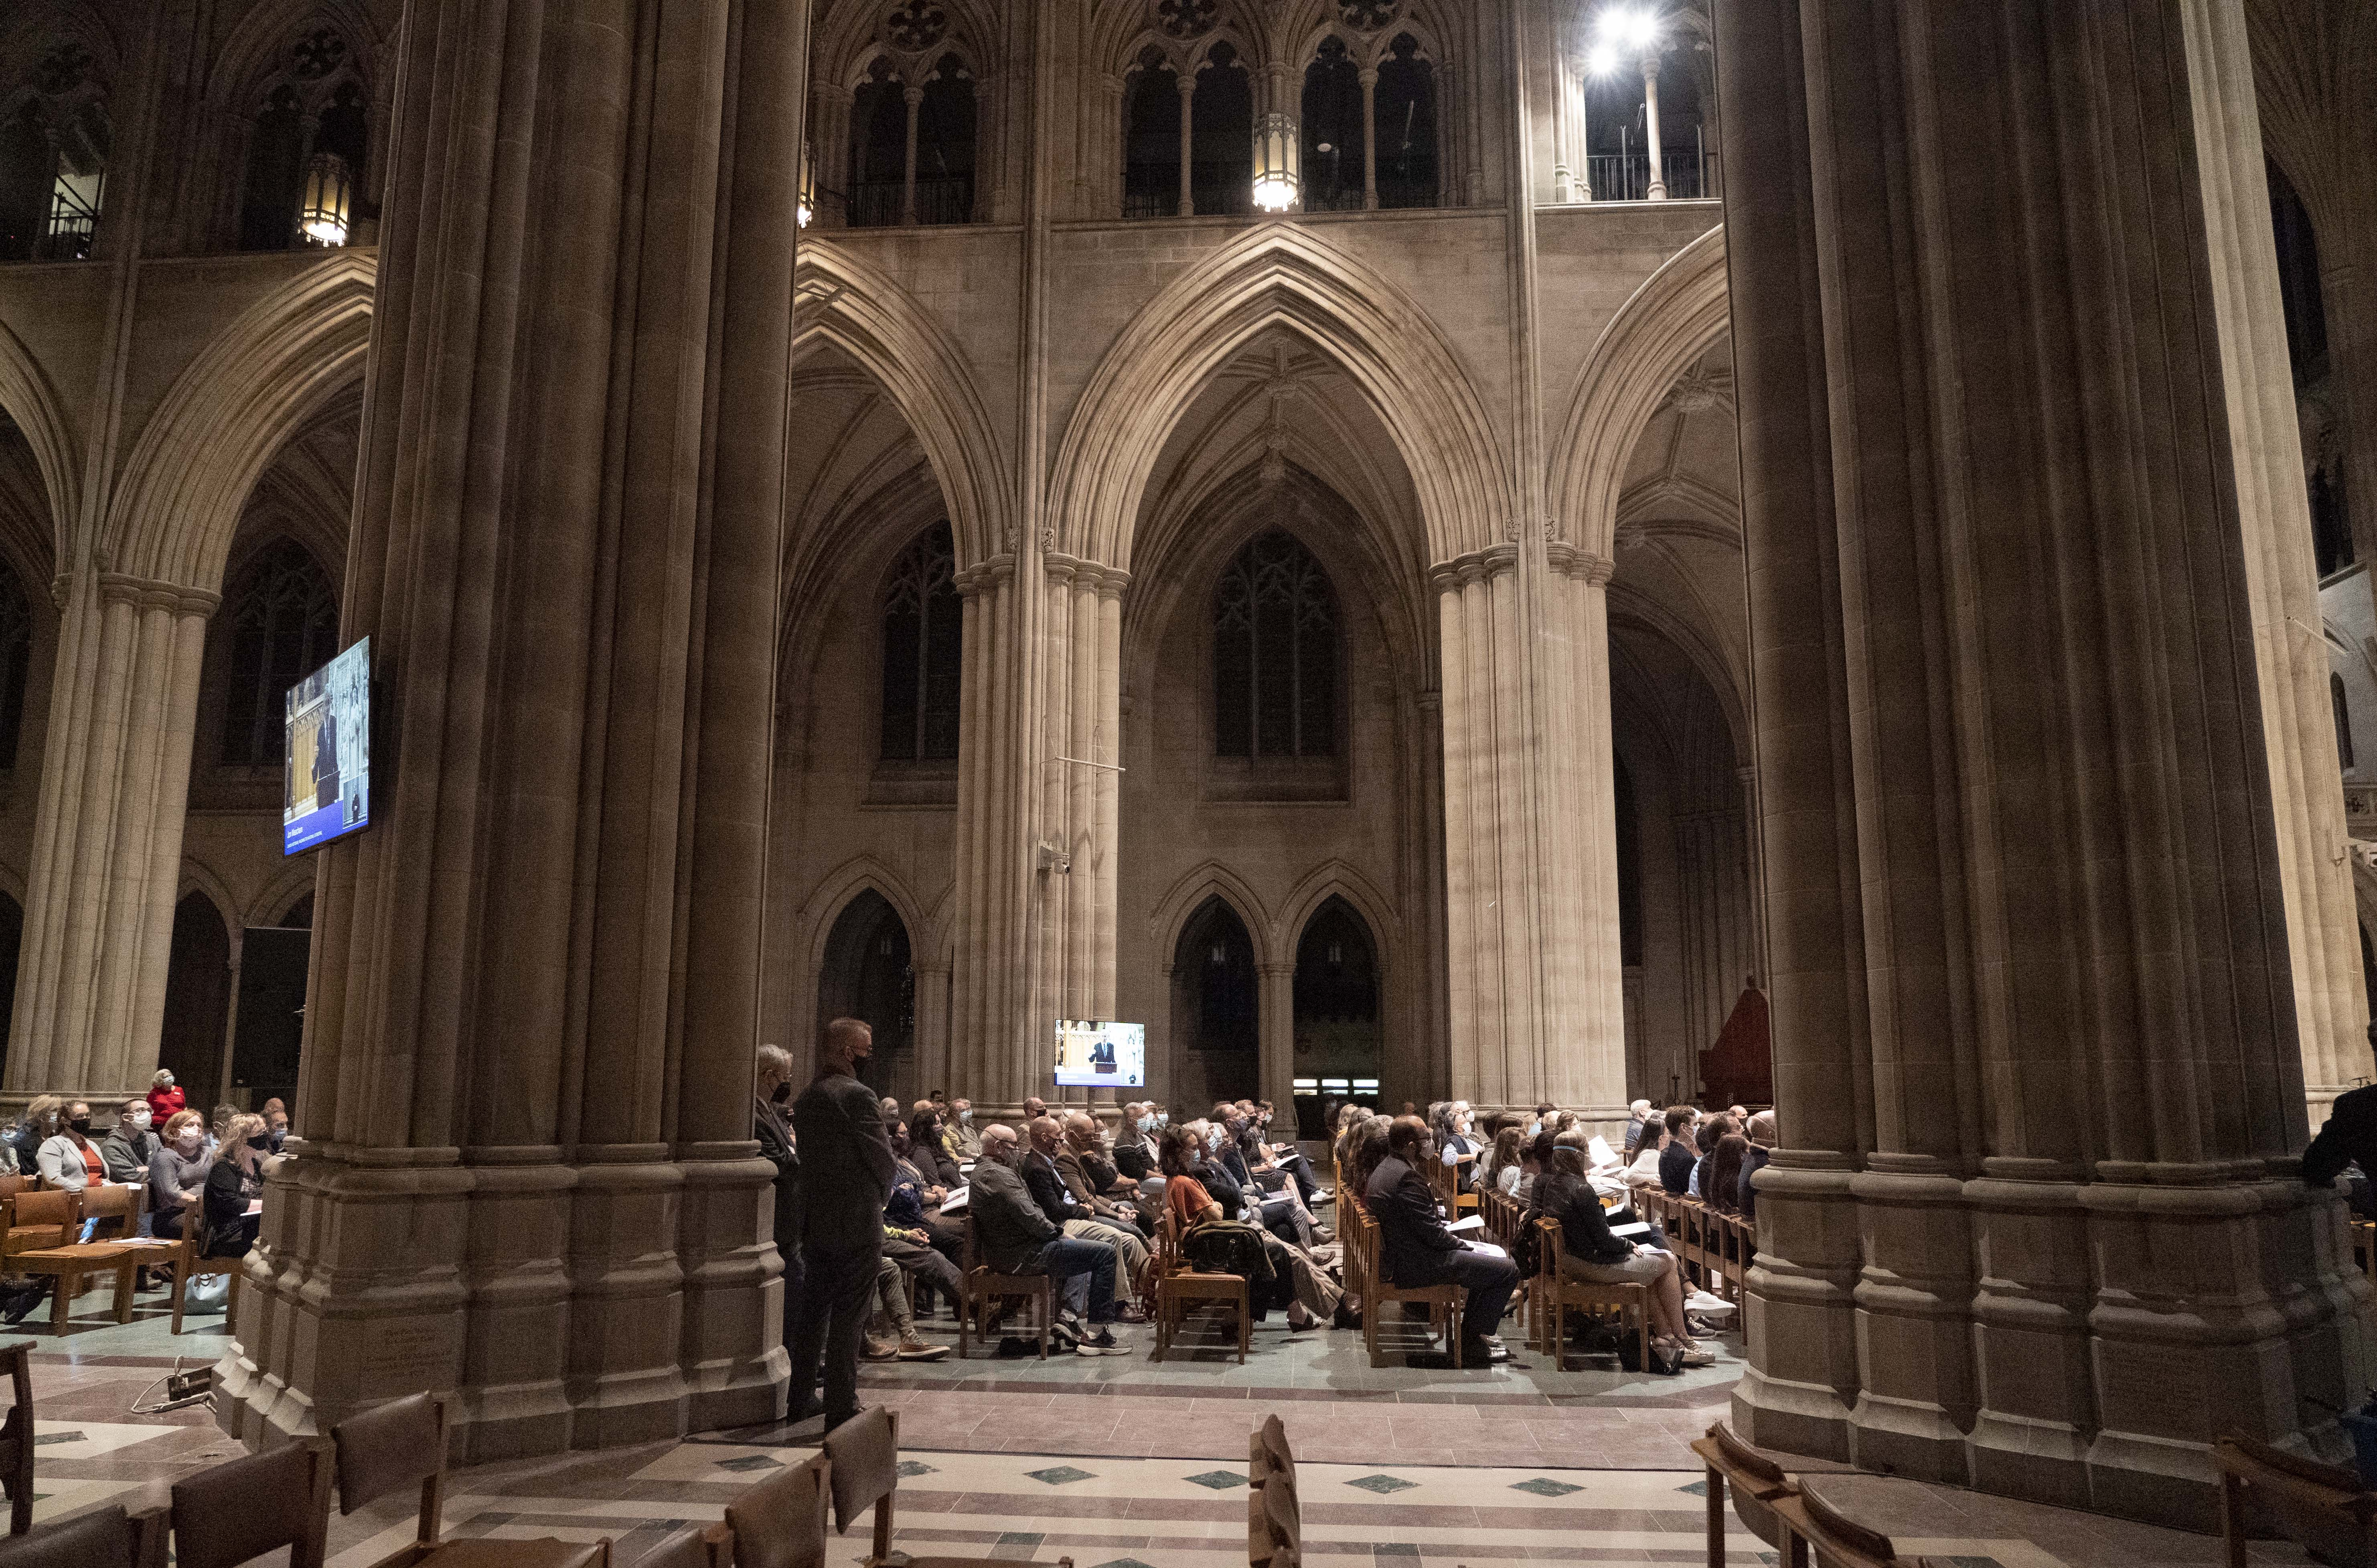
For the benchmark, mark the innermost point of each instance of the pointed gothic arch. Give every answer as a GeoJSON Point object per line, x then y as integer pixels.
{"type": "Point", "coordinates": [1657, 335]}
{"type": "Point", "coordinates": [33, 404]}
{"type": "Point", "coordinates": [846, 302]}
{"type": "Point", "coordinates": [201, 453]}
{"type": "Point", "coordinates": [1287, 276]}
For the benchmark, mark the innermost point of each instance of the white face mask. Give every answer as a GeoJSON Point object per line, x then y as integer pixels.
{"type": "Point", "coordinates": [139, 1118]}
{"type": "Point", "coordinates": [188, 1140]}
{"type": "Point", "coordinates": [966, 1115]}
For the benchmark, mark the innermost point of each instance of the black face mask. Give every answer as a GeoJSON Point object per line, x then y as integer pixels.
{"type": "Point", "coordinates": [783, 1092]}
{"type": "Point", "coordinates": [80, 1124]}
{"type": "Point", "coordinates": [259, 1141]}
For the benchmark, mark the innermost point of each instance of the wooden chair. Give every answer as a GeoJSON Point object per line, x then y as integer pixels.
{"type": "Point", "coordinates": [403, 1443]}
{"type": "Point", "coordinates": [1444, 1301]}
{"type": "Point", "coordinates": [2324, 1508]}
{"type": "Point", "coordinates": [981, 1287]}
{"type": "Point", "coordinates": [1178, 1286]}
{"type": "Point", "coordinates": [116, 1206]}
{"type": "Point", "coordinates": [1554, 1292]}
{"type": "Point", "coordinates": [243, 1508]}
{"type": "Point", "coordinates": [1835, 1540]}
{"type": "Point", "coordinates": [1274, 1512]}
{"type": "Point", "coordinates": [780, 1521]}
{"type": "Point", "coordinates": [102, 1538]}
{"type": "Point", "coordinates": [187, 1265]}
{"type": "Point", "coordinates": [1757, 1481]}
{"type": "Point", "coordinates": [37, 1236]}
{"type": "Point", "coordinates": [17, 1437]}
{"type": "Point", "coordinates": [862, 1472]}
{"type": "Point", "coordinates": [695, 1546]}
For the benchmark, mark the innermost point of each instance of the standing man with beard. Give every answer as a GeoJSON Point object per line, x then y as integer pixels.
{"type": "Point", "coordinates": [849, 1170]}
{"type": "Point", "coordinates": [772, 1096]}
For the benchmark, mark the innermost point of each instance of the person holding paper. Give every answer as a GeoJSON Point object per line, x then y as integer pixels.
{"type": "Point", "coordinates": [1415, 1248]}
{"type": "Point", "coordinates": [1588, 1252]}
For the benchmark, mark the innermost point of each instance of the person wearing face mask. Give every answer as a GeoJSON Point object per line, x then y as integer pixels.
{"type": "Point", "coordinates": [68, 1159]}
{"type": "Point", "coordinates": [966, 1144]}
{"type": "Point", "coordinates": [1135, 1146]}
{"type": "Point", "coordinates": [177, 1174]}
{"type": "Point", "coordinates": [164, 1096]}
{"type": "Point", "coordinates": [771, 1093]}
{"type": "Point", "coordinates": [276, 1123]}
{"type": "Point", "coordinates": [925, 1147]}
{"type": "Point", "coordinates": [125, 1149]}
{"type": "Point", "coordinates": [235, 1180]}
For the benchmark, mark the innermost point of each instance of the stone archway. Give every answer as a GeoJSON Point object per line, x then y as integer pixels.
{"type": "Point", "coordinates": [1216, 1010]}
{"type": "Point", "coordinates": [869, 972]}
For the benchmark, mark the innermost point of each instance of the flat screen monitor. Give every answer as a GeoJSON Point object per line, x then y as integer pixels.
{"type": "Point", "coordinates": [1093, 1054]}
{"type": "Point", "coordinates": [327, 766]}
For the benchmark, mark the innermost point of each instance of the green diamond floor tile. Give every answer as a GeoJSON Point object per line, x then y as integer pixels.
{"type": "Point", "coordinates": [1220, 1481]}
{"type": "Point", "coordinates": [750, 1462]}
{"type": "Point", "coordinates": [917, 1468]}
{"type": "Point", "coordinates": [1382, 1484]}
{"type": "Point", "coordinates": [1059, 1475]}
{"type": "Point", "coordinates": [1544, 1486]}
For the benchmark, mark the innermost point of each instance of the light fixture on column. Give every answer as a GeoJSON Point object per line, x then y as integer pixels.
{"type": "Point", "coordinates": [1632, 34]}
{"type": "Point", "coordinates": [322, 216]}
{"type": "Point", "coordinates": [1278, 179]}
{"type": "Point", "coordinates": [806, 209]}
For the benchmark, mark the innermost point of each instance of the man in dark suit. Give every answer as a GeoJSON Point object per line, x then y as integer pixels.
{"type": "Point", "coordinates": [849, 1167]}
{"type": "Point", "coordinates": [773, 1093]}
{"type": "Point", "coordinates": [1414, 1248]}
{"type": "Point", "coordinates": [1014, 1236]}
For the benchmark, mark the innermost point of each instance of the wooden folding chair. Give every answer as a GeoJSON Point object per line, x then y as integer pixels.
{"type": "Point", "coordinates": [243, 1508]}
{"type": "Point", "coordinates": [102, 1538]}
{"type": "Point", "coordinates": [979, 1287]}
{"type": "Point", "coordinates": [1444, 1301]}
{"type": "Point", "coordinates": [1757, 1483]}
{"type": "Point", "coordinates": [116, 1207]}
{"type": "Point", "coordinates": [403, 1443]}
{"type": "Point", "coordinates": [1555, 1293]}
{"type": "Point", "coordinates": [1274, 1512]}
{"type": "Point", "coordinates": [1177, 1285]}
{"type": "Point", "coordinates": [17, 1437]}
{"type": "Point", "coordinates": [695, 1546]}
{"type": "Point", "coordinates": [780, 1521]}
{"type": "Point", "coordinates": [862, 1472]}
{"type": "Point", "coordinates": [40, 1231]}
{"type": "Point", "coordinates": [2323, 1508]}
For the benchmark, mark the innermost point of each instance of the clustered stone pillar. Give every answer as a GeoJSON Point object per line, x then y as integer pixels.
{"type": "Point", "coordinates": [2019, 753]}
{"type": "Point", "coordinates": [1533, 968]}
{"type": "Point", "coordinates": [988, 993]}
{"type": "Point", "coordinates": [527, 1078]}
{"type": "Point", "coordinates": [107, 838]}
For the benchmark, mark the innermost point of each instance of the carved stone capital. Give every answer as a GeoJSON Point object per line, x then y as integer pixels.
{"type": "Point", "coordinates": [144, 593]}
{"type": "Point", "coordinates": [982, 576]}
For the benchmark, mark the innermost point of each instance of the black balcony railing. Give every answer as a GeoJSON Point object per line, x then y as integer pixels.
{"type": "Point", "coordinates": [883, 204]}
{"type": "Point", "coordinates": [1626, 176]}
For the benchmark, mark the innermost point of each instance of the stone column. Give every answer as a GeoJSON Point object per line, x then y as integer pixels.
{"type": "Point", "coordinates": [829, 151]}
{"type": "Point", "coordinates": [915, 98]}
{"type": "Point", "coordinates": [994, 850]}
{"type": "Point", "coordinates": [1187, 85]}
{"type": "Point", "coordinates": [535, 983]}
{"type": "Point", "coordinates": [1369, 150]}
{"type": "Point", "coordinates": [1275, 1033]}
{"type": "Point", "coordinates": [107, 838]}
{"type": "Point", "coordinates": [2024, 754]}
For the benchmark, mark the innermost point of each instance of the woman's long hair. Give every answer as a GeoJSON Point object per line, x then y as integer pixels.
{"type": "Point", "coordinates": [1721, 1189]}
{"type": "Point", "coordinates": [1176, 1151]}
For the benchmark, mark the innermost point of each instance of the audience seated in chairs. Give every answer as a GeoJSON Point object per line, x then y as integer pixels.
{"type": "Point", "coordinates": [177, 1175]}
{"type": "Point", "coordinates": [1016, 1238]}
{"type": "Point", "coordinates": [1416, 1249]}
{"type": "Point", "coordinates": [235, 1180]}
{"type": "Point", "coordinates": [1133, 1262]}
{"type": "Point", "coordinates": [1592, 1254]}
{"type": "Point", "coordinates": [69, 1158]}
{"type": "Point", "coordinates": [1212, 1241]}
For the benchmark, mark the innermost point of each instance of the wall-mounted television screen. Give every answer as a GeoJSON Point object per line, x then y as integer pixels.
{"type": "Point", "coordinates": [326, 767]}
{"type": "Point", "coordinates": [1101, 1055]}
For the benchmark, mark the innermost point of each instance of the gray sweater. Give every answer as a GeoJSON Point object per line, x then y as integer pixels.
{"type": "Point", "coordinates": [170, 1175]}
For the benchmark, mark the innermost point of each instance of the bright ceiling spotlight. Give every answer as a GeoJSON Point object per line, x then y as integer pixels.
{"type": "Point", "coordinates": [1628, 27]}
{"type": "Point", "coordinates": [1602, 61]}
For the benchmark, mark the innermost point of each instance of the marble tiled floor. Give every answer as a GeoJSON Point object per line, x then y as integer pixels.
{"type": "Point", "coordinates": [1124, 1463]}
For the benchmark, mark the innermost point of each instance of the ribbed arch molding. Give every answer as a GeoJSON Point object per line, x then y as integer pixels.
{"type": "Point", "coordinates": [30, 400]}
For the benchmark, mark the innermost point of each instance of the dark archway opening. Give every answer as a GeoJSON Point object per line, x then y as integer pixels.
{"type": "Point", "coordinates": [1216, 1017]}
{"type": "Point", "coordinates": [198, 996]}
{"type": "Point", "coordinates": [1339, 1042]}
{"type": "Point", "coordinates": [869, 974]}
{"type": "Point", "coordinates": [1221, 177]}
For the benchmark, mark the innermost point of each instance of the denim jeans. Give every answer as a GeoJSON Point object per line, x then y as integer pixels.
{"type": "Point", "coordinates": [1068, 1257]}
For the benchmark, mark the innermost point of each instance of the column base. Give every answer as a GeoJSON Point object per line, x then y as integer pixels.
{"type": "Point", "coordinates": [563, 1306]}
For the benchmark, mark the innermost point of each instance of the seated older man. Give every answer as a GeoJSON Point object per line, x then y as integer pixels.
{"type": "Point", "coordinates": [1013, 1237]}
{"type": "Point", "coordinates": [1134, 1277]}
{"type": "Point", "coordinates": [1414, 1248]}
{"type": "Point", "coordinates": [1091, 1176]}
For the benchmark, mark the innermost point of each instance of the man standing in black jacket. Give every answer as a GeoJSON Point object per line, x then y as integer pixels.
{"type": "Point", "coordinates": [1414, 1248]}
{"type": "Point", "coordinates": [773, 1094]}
{"type": "Point", "coordinates": [848, 1174]}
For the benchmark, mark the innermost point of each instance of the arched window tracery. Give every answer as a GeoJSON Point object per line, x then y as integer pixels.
{"type": "Point", "coordinates": [308, 145]}
{"type": "Point", "coordinates": [1275, 659]}
{"type": "Point", "coordinates": [921, 620]}
{"type": "Point", "coordinates": [913, 134]}
{"type": "Point", "coordinates": [285, 622]}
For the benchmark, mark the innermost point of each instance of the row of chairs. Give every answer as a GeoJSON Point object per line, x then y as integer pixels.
{"type": "Point", "coordinates": [1551, 1294]}
{"type": "Point", "coordinates": [1721, 1246]}
{"type": "Point", "coordinates": [1359, 1235]}
{"type": "Point", "coordinates": [1180, 1287]}
{"type": "Point", "coordinates": [245, 1509]}
{"type": "Point", "coordinates": [782, 1522]}
{"type": "Point", "coordinates": [39, 1234]}
{"type": "Point", "coordinates": [1796, 1522]}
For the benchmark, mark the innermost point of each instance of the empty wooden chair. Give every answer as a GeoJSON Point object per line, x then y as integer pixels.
{"type": "Point", "coordinates": [1833, 1538]}
{"type": "Point", "coordinates": [1178, 1287]}
{"type": "Point", "coordinates": [1274, 1513]}
{"type": "Point", "coordinates": [102, 1538]}
{"type": "Point", "coordinates": [862, 1469]}
{"type": "Point", "coordinates": [780, 1521]}
{"type": "Point", "coordinates": [17, 1436]}
{"type": "Point", "coordinates": [695, 1546]}
{"type": "Point", "coordinates": [116, 1207]}
{"type": "Point", "coordinates": [403, 1443]}
{"type": "Point", "coordinates": [38, 1231]}
{"type": "Point", "coordinates": [1757, 1483]}
{"type": "Point", "coordinates": [1554, 1292]}
{"type": "Point", "coordinates": [2324, 1508]}
{"type": "Point", "coordinates": [979, 1287]}
{"type": "Point", "coordinates": [240, 1509]}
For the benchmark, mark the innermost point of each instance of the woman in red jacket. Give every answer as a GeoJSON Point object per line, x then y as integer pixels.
{"type": "Point", "coordinates": [164, 1098]}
